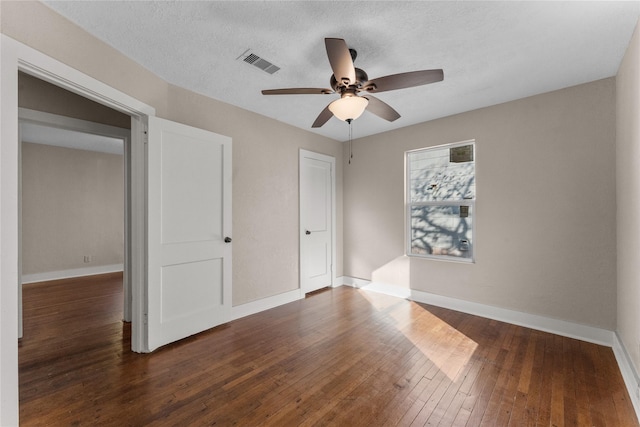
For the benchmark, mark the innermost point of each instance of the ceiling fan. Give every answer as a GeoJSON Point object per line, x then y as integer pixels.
{"type": "Point", "coordinates": [348, 81]}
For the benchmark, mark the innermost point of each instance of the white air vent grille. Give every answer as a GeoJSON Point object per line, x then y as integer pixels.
{"type": "Point", "coordinates": [253, 59]}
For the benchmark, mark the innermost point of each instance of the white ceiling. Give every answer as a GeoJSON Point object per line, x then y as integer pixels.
{"type": "Point", "coordinates": [491, 52]}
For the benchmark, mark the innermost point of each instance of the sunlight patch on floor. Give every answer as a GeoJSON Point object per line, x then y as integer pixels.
{"type": "Point", "coordinates": [449, 349]}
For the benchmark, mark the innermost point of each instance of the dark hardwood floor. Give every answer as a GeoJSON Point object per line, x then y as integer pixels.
{"type": "Point", "coordinates": [342, 357]}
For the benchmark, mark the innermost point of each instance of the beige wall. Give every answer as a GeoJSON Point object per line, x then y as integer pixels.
{"type": "Point", "coordinates": [72, 206]}
{"type": "Point", "coordinates": [265, 191]}
{"type": "Point", "coordinates": [265, 152]}
{"type": "Point", "coordinates": [628, 198]}
{"type": "Point", "coordinates": [545, 214]}
{"type": "Point", "coordinates": [36, 94]}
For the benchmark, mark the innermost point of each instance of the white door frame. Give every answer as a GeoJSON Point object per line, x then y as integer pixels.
{"type": "Point", "coordinates": [14, 57]}
{"type": "Point", "coordinates": [330, 159]}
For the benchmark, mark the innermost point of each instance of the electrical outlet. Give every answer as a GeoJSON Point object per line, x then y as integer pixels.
{"type": "Point", "coordinates": [88, 258]}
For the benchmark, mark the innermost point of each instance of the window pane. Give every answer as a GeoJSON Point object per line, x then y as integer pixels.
{"type": "Point", "coordinates": [442, 230]}
{"type": "Point", "coordinates": [442, 174]}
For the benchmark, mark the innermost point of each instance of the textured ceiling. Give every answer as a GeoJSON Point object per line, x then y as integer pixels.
{"type": "Point", "coordinates": [491, 52]}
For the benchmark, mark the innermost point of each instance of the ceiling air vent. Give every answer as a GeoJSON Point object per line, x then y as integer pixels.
{"type": "Point", "coordinates": [253, 59]}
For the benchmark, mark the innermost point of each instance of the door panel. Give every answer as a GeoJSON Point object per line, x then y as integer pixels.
{"type": "Point", "coordinates": [316, 220]}
{"type": "Point", "coordinates": [317, 260]}
{"type": "Point", "coordinates": [317, 179]}
{"type": "Point", "coordinates": [190, 214]}
{"type": "Point", "coordinates": [182, 298]}
{"type": "Point", "coordinates": [189, 191]}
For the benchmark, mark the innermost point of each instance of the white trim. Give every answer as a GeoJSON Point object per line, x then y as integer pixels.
{"type": "Point", "coordinates": [629, 374]}
{"type": "Point", "coordinates": [51, 129]}
{"type": "Point", "coordinates": [533, 321]}
{"type": "Point", "coordinates": [75, 272]}
{"type": "Point", "coordinates": [9, 223]}
{"type": "Point", "coordinates": [340, 281]}
{"type": "Point", "coordinates": [63, 122]}
{"type": "Point", "coordinates": [53, 71]}
{"type": "Point", "coordinates": [354, 282]}
{"type": "Point", "coordinates": [263, 304]}
{"type": "Point", "coordinates": [136, 223]}
{"type": "Point", "coordinates": [385, 288]}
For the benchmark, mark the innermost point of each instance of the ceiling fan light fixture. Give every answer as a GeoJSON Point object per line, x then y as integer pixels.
{"type": "Point", "coordinates": [348, 107]}
{"type": "Point", "coordinates": [348, 81]}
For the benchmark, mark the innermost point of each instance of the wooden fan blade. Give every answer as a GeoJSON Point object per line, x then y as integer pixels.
{"type": "Point", "coordinates": [298, 91]}
{"type": "Point", "coordinates": [404, 80]}
{"type": "Point", "coordinates": [340, 60]}
{"type": "Point", "coordinates": [381, 109]}
{"type": "Point", "coordinates": [324, 116]}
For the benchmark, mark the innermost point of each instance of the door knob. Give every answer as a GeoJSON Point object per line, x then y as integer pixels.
{"type": "Point", "coordinates": [307, 232]}
{"type": "Point", "coordinates": [227, 239]}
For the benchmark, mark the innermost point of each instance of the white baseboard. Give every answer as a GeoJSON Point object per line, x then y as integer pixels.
{"type": "Point", "coordinates": [274, 301]}
{"type": "Point", "coordinates": [629, 374]}
{"type": "Point", "coordinates": [263, 304]}
{"type": "Point", "coordinates": [387, 289]}
{"type": "Point", "coordinates": [533, 321]}
{"type": "Point", "coordinates": [354, 282]}
{"type": "Point", "coordinates": [67, 274]}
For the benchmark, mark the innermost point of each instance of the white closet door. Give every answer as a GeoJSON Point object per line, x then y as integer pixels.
{"type": "Point", "coordinates": [316, 224]}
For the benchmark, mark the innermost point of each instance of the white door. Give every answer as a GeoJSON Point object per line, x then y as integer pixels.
{"type": "Point", "coordinates": [189, 230]}
{"type": "Point", "coordinates": [317, 178]}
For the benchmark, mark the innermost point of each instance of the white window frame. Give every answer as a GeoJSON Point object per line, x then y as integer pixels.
{"type": "Point", "coordinates": [466, 202]}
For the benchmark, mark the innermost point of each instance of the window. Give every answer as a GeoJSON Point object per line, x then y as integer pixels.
{"type": "Point", "coordinates": [441, 194]}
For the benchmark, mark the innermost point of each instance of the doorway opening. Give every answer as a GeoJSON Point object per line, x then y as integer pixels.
{"type": "Point", "coordinates": [17, 57]}
{"type": "Point", "coordinates": [72, 221]}
{"type": "Point", "coordinates": [73, 181]}
{"type": "Point", "coordinates": [73, 287]}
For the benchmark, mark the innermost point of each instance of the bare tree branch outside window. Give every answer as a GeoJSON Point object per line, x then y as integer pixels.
{"type": "Point", "coordinates": [442, 202]}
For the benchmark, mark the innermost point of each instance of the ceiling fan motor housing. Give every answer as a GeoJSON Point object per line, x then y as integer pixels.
{"type": "Point", "coordinates": [340, 87]}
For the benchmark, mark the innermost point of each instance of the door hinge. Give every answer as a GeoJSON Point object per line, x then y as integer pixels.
{"type": "Point", "coordinates": [145, 319]}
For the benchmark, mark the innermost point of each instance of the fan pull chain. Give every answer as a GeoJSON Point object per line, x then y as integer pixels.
{"type": "Point", "coordinates": [350, 141]}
